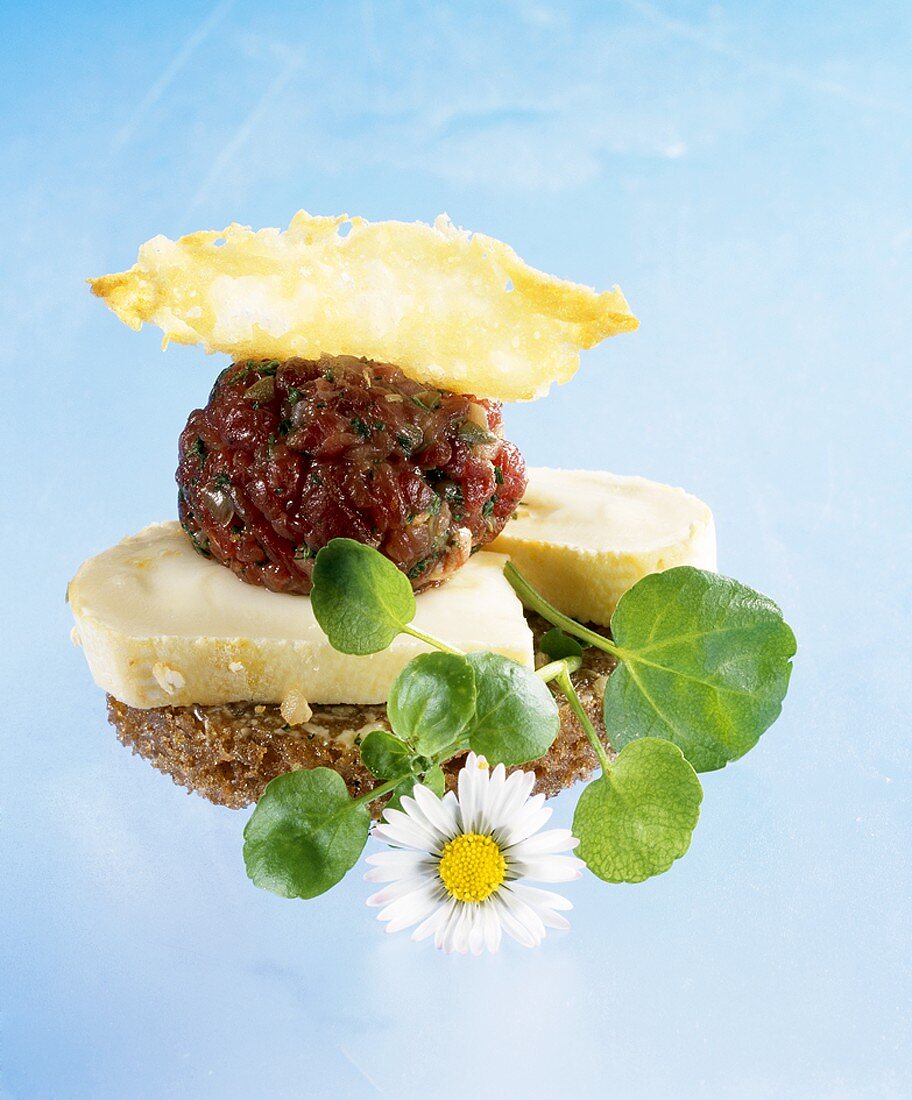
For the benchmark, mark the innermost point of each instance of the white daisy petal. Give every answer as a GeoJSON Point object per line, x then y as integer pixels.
{"type": "Point", "coordinates": [395, 857]}
{"type": "Point", "coordinates": [410, 909]}
{"type": "Point", "coordinates": [395, 864]}
{"type": "Point", "coordinates": [511, 925]}
{"type": "Point", "coordinates": [527, 822]}
{"type": "Point", "coordinates": [451, 931]}
{"type": "Point", "coordinates": [551, 840]}
{"type": "Point", "coordinates": [443, 928]}
{"type": "Point", "coordinates": [457, 938]}
{"type": "Point", "coordinates": [467, 933]}
{"type": "Point", "coordinates": [538, 898]}
{"type": "Point", "coordinates": [492, 930]}
{"type": "Point", "coordinates": [430, 925]}
{"type": "Point", "coordinates": [524, 913]}
{"type": "Point", "coordinates": [545, 904]}
{"type": "Point", "coordinates": [518, 790]}
{"type": "Point", "coordinates": [441, 813]}
{"type": "Point", "coordinates": [477, 932]}
{"type": "Point", "coordinates": [416, 812]}
{"type": "Point", "coordinates": [531, 805]}
{"type": "Point", "coordinates": [403, 831]}
{"type": "Point", "coordinates": [472, 782]}
{"type": "Point", "coordinates": [482, 776]}
{"type": "Point", "coordinates": [493, 795]}
{"type": "Point", "coordinates": [547, 868]}
{"type": "Point", "coordinates": [497, 797]}
{"type": "Point", "coordinates": [395, 890]}
{"type": "Point", "coordinates": [551, 919]}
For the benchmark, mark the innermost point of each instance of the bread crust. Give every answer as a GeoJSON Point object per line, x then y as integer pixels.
{"type": "Point", "coordinates": [229, 753]}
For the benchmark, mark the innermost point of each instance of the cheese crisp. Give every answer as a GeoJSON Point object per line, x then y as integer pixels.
{"type": "Point", "coordinates": [451, 309]}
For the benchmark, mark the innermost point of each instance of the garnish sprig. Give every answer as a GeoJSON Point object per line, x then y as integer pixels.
{"type": "Point", "coordinates": [535, 601]}
{"type": "Point", "coordinates": [703, 662]}
{"type": "Point", "coordinates": [638, 816]}
{"type": "Point", "coordinates": [566, 685]}
{"type": "Point", "coordinates": [554, 669]}
{"type": "Point", "coordinates": [429, 639]}
{"type": "Point", "coordinates": [703, 665]}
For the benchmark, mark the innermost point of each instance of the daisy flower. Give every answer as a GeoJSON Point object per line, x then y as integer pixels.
{"type": "Point", "coordinates": [459, 865]}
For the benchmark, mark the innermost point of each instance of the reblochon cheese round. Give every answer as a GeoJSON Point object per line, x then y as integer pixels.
{"type": "Point", "coordinates": [583, 537]}
{"type": "Point", "coordinates": [162, 626]}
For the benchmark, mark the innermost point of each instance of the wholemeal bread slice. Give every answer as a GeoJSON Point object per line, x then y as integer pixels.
{"type": "Point", "coordinates": [228, 753]}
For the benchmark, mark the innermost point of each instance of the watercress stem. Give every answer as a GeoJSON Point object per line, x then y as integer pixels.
{"type": "Point", "coordinates": [538, 603]}
{"type": "Point", "coordinates": [431, 640]}
{"type": "Point", "coordinates": [377, 792]}
{"type": "Point", "coordinates": [450, 751]}
{"type": "Point", "coordinates": [566, 686]}
{"type": "Point", "coordinates": [442, 757]}
{"type": "Point", "coordinates": [555, 668]}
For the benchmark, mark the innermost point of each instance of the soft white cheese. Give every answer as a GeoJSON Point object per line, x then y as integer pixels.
{"type": "Point", "coordinates": [162, 626]}
{"type": "Point", "coordinates": [583, 537]}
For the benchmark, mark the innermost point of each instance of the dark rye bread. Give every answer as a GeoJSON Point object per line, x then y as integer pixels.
{"type": "Point", "coordinates": [229, 753]}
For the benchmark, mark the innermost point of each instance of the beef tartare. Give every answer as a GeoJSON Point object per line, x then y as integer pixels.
{"type": "Point", "coordinates": [288, 455]}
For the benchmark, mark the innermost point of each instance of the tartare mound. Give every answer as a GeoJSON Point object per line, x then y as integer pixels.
{"type": "Point", "coordinates": [288, 455]}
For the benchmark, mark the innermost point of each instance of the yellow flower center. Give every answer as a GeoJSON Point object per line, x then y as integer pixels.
{"type": "Point", "coordinates": [472, 867]}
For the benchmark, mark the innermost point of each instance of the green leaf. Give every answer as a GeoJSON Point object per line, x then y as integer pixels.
{"type": "Point", "coordinates": [636, 820]}
{"type": "Point", "coordinates": [433, 779]}
{"type": "Point", "coordinates": [385, 756]}
{"type": "Point", "coordinates": [399, 792]}
{"type": "Point", "coordinates": [432, 701]}
{"type": "Point", "coordinates": [705, 663]}
{"type": "Point", "coordinates": [557, 645]}
{"type": "Point", "coordinates": [305, 834]}
{"type": "Point", "coordinates": [516, 717]}
{"type": "Point", "coordinates": [360, 599]}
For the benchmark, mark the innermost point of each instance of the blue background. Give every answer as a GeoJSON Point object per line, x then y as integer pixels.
{"type": "Point", "coordinates": [744, 172]}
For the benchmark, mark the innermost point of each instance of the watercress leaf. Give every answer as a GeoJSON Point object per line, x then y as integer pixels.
{"type": "Point", "coordinates": [359, 598]}
{"type": "Point", "coordinates": [705, 663]}
{"type": "Point", "coordinates": [305, 834]}
{"type": "Point", "coordinates": [637, 819]}
{"type": "Point", "coordinates": [516, 717]}
{"type": "Point", "coordinates": [432, 701]}
{"type": "Point", "coordinates": [556, 645]}
{"type": "Point", "coordinates": [399, 792]}
{"type": "Point", "coordinates": [385, 756]}
{"type": "Point", "coordinates": [435, 780]}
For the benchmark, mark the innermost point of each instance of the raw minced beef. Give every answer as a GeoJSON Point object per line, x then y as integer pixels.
{"type": "Point", "coordinates": [288, 455]}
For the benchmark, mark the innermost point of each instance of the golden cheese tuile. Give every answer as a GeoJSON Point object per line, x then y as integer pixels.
{"type": "Point", "coordinates": [452, 309]}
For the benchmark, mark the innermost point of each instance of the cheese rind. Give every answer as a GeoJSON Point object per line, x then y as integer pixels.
{"type": "Point", "coordinates": [162, 626]}
{"type": "Point", "coordinates": [583, 537]}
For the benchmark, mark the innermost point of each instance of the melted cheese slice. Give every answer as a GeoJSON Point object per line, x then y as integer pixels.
{"type": "Point", "coordinates": [162, 626]}
{"type": "Point", "coordinates": [583, 537]}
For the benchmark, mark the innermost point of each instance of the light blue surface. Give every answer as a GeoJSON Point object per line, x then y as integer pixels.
{"type": "Point", "coordinates": [743, 171]}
